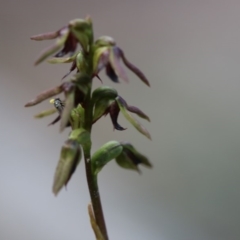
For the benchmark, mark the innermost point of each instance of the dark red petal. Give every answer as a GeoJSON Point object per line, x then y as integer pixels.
{"type": "Point", "coordinates": [73, 67]}
{"type": "Point", "coordinates": [133, 68]}
{"type": "Point", "coordinates": [111, 74]}
{"type": "Point", "coordinates": [55, 120]}
{"type": "Point", "coordinates": [114, 112]}
{"type": "Point", "coordinates": [137, 111]}
{"type": "Point", "coordinates": [70, 46]}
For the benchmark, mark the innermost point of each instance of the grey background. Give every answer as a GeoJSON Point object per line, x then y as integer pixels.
{"type": "Point", "coordinates": [190, 52]}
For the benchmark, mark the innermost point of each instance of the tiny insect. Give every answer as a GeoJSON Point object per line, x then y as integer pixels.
{"type": "Point", "coordinates": [58, 104]}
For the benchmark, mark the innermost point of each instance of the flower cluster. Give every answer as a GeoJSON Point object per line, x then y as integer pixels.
{"type": "Point", "coordinates": [81, 106]}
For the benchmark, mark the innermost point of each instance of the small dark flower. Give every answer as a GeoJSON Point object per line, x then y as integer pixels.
{"type": "Point", "coordinates": [68, 37]}
{"type": "Point", "coordinates": [65, 40]}
{"type": "Point", "coordinates": [112, 107]}
{"type": "Point", "coordinates": [109, 56]}
{"type": "Point", "coordinates": [125, 109]}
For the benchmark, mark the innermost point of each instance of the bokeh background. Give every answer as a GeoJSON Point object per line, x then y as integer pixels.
{"type": "Point", "coordinates": [190, 52]}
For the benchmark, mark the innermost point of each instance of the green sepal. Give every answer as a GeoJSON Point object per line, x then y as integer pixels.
{"type": "Point", "coordinates": [80, 135]}
{"type": "Point", "coordinates": [69, 159]}
{"type": "Point", "coordinates": [46, 113]}
{"type": "Point", "coordinates": [104, 92]}
{"type": "Point", "coordinates": [130, 118]}
{"type": "Point", "coordinates": [81, 63]}
{"type": "Point", "coordinates": [82, 30]}
{"type": "Point", "coordinates": [77, 116]}
{"type": "Point", "coordinates": [105, 154]}
{"type": "Point", "coordinates": [52, 49]}
{"type": "Point", "coordinates": [62, 59]}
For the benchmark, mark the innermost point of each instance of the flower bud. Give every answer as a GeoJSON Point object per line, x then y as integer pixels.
{"type": "Point", "coordinates": [130, 158]}
{"type": "Point", "coordinates": [80, 135]}
{"type": "Point", "coordinates": [69, 159]}
{"type": "Point", "coordinates": [105, 154]}
{"type": "Point", "coordinates": [104, 92]}
{"type": "Point", "coordinates": [82, 30]}
{"type": "Point", "coordinates": [101, 108]}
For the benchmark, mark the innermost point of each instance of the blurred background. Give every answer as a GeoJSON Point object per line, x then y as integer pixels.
{"type": "Point", "coordinates": [190, 52]}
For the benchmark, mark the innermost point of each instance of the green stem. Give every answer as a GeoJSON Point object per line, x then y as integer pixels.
{"type": "Point", "coordinates": [91, 178]}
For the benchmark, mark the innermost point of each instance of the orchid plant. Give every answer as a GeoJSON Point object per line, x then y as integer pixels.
{"type": "Point", "coordinates": [83, 106]}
